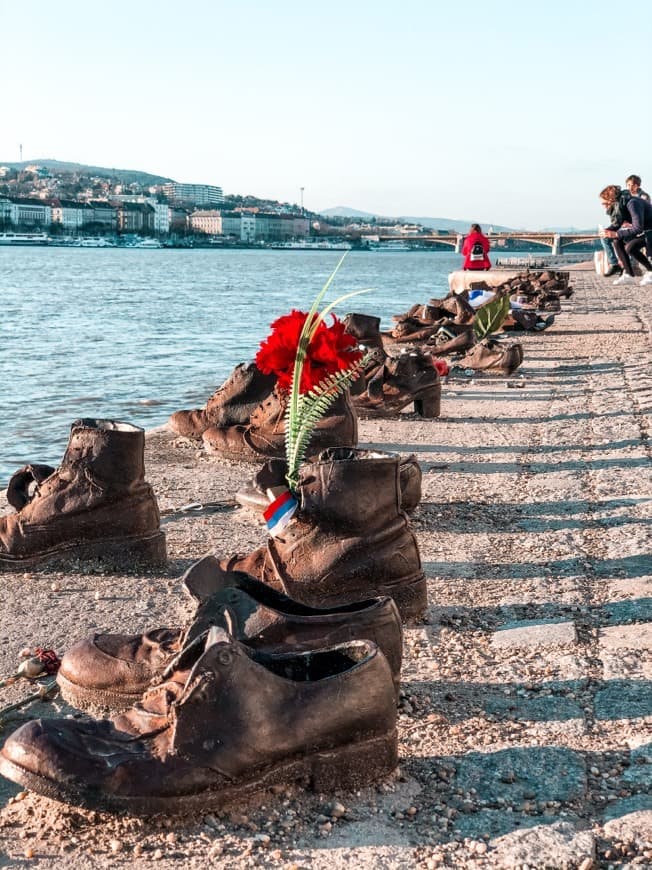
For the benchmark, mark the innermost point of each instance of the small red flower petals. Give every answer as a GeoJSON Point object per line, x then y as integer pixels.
{"type": "Point", "coordinates": [330, 350]}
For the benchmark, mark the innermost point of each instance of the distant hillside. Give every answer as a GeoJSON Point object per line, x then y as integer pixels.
{"type": "Point", "coordinates": [434, 223]}
{"type": "Point", "coordinates": [126, 176]}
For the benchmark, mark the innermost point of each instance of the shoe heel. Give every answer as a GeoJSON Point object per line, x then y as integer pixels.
{"type": "Point", "coordinates": [429, 405]}
{"type": "Point", "coordinates": [352, 767]}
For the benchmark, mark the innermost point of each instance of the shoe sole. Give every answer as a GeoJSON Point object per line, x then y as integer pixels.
{"type": "Point", "coordinates": [84, 698]}
{"type": "Point", "coordinates": [347, 768]}
{"type": "Point", "coordinates": [121, 554]}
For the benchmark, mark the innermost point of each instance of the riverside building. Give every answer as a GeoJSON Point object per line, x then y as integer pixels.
{"type": "Point", "coordinates": [198, 194]}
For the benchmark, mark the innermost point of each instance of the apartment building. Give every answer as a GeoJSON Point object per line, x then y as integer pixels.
{"type": "Point", "coordinates": [30, 212]}
{"type": "Point", "coordinates": [207, 221]}
{"type": "Point", "coordinates": [161, 209]}
{"type": "Point", "coordinates": [70, 215]}
{"type": "Point", "coordinates": [198, 194]}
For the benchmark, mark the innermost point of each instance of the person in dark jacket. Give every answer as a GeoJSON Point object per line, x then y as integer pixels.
{"type": "Point", "coordinates": [634, 233]}
{"type": "Point", "coordinates": [476, 250]}
{"type": "Point", "coordinates": [617, 215]}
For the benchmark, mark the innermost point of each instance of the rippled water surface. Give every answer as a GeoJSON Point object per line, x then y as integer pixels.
{"type": "Point", "coordinates": [136, 334]}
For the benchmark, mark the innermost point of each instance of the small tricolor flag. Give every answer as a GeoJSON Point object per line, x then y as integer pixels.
{"type": "Point", "coordinates": [280, 512]}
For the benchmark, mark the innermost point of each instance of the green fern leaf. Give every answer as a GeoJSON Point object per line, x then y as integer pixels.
{"type": "Point", "coordinates": [490, 317]}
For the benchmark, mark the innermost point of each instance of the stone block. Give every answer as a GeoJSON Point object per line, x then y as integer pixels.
{"type": "Point", "coordinates": [560, 845]}
{"type": "Point", "coordinates": [635, 636]}
{"type": "Point", "coordinates": [630, 819]}
{"type": "Point", "coordinates": [548, 708]}
{"type": "Point", "coordinates": [534, 633]}
{"type": "Point", "coordinates": [623, 699]}
{"type": "Point", "coordinates": [541, 773]}
{"type": "Point", "coordinates": [640, 770]}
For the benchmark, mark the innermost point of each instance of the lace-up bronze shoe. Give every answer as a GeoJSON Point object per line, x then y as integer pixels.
{"type": "Point", "coordinates": [349, 539]}
{"type": "Point", "coordinates": [113, 670]}
{"type": "Point", "coordinates": [493, 357]}
{"type": "Point", "coordinates": [264, 437]}
{"type": "Point", "coordinates": [226, 721]}
{"type": "Point", "coordinates": [96, 507]}
{"type": "Point", "coordinates": [231, 404]}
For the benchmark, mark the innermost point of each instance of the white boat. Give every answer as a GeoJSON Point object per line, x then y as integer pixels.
{"type": "Point", "coordinates": [311, 245]}
{"type": "Point", "coordinates": [24, 239]}
{"type": "Point", "coordinates": [98, 242]}
{"type": "Point", "coordinates": [147, 243]}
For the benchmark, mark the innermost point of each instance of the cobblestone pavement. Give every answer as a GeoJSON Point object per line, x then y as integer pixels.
{"type": "Point", "coordinates": [526, 712]}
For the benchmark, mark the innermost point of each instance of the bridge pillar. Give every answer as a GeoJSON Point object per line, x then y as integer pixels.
{"type": "Point", "coordinates": [556, 245]}
{"type": "Point", "coordinates": [458, 243]}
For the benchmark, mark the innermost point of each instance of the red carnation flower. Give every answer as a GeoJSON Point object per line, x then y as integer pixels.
{"type": "Point", "coordinates": [442, 367]}
{"type": "Point", "coordinates": [331, 349]}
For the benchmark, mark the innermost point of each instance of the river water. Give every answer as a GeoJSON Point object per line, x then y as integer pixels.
{"type": "Point", "coordinates": [136, 334]}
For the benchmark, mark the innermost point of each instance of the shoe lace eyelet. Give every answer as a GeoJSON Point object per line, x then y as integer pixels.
{"type": "Point", "coordinates": [225, 658]}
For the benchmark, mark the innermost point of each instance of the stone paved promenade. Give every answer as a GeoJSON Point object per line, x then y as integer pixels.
{"type": "Point", "coordinates": [526, 715]}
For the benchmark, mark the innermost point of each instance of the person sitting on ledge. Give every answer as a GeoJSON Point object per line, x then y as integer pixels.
{"type": "Point", "coordinates": [634, 233]}
{"type": "Point", "coordinates": [633, 184]}
{"type": "Point", "coordinates": [476, 250]}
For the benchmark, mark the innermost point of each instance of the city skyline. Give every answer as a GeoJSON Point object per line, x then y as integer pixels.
{"type": "Point", "coordinates": [503, 115]}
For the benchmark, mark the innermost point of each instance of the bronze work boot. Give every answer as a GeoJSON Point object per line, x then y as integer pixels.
{"type": "Point", "coordinates": [253, 495]}
{"type": "Point", "coordinates": [264, 437]}
{"type": "Point", "coordinates": [493, 357]}
{"type": "Point", "coordinates": [227, 721]}
{"type": "Point", "coordinates": [95, 507]}
{"type": "Point", "coordinates": [230, 404]}
{"type": "Point", "coordinates": [113, 670]}
{"type": "Point", "coordinates": [366, 329]}
{"type": "Point", "coordinates": [410, 378]}
{"type": "Point", "coordinates": [349, 539]}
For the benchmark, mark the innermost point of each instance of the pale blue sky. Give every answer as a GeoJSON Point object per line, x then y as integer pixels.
{"type": "Point", "coordinates": [507, 112]}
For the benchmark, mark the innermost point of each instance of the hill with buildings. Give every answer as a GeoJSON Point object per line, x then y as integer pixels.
{"type": "Point", "coordinates": [432, 223]}
{"type": "Point", "coordinates": [122, 176]}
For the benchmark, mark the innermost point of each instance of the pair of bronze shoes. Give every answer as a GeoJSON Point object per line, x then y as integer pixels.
{"type": "Point", "coordinates": [258, 691]}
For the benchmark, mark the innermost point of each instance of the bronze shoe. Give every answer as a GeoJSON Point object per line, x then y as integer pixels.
{"type": "Point", "coordinates": [264, 436]}
{"type": "Point", "coordinates": [232, 403]}
{"type": "Point", "coordinates": [253, 495]}
{"type": "Point", "coordinates": [349, 539]}
{"type": "Point", "coordinates": [113, 670]}
{"type": "Point", "coordinates": [227, 721]}
{"type": "Point", "coordinates": [96, 507]}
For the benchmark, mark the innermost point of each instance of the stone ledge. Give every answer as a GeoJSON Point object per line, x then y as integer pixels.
{"type": "Point", "coordinates": [543, 632]}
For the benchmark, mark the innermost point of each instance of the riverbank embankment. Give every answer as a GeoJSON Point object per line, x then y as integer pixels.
{"type": "Point", "coordinates": [527, 691]}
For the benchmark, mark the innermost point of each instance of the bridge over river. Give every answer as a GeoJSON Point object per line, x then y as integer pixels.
{"type": "Point", "coordinates": [555, 241]}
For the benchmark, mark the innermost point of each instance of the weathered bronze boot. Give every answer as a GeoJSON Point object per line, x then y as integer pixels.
{"type": "Point", "coordinates": [366, 329]}
{"type": "Point", "coordinates": [457, 306]}
{"type": "Point", "coordinates": [407, 379]}
{"type": "Point", "coordinates": [253, 495]}
{"type": "Point", "coordinates": [226, 721]}
{"type": "Point", "coordinates": [493, 357]}
{"type": "Point", "coordinates": [230, 404]}
{"type": "Point", "coordinates": [95, 507]}
{"type": "Point", "coordinates": [264, 437]}
{"type": "Point", "coordinates": [113, 670]}
{"type": "Point", "coordinates": [348, 541]}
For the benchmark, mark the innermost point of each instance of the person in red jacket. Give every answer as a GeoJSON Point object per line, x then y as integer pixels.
{"type": "Point", "coordinates": [476, 250]}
